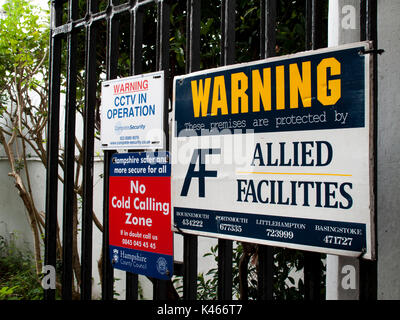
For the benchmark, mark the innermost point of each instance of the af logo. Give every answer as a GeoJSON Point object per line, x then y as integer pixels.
{"type": "Point", "coordinates": [162, 265]}
{"type": "Point", "coordinates": [199, 155]}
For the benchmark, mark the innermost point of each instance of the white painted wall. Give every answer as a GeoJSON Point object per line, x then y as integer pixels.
{"type": "Point", "coordinates": [343, 27]}
{"type": "Point", "coordinates": [388, 150]}
{"type": "Point", "coordinates": [388, 153]}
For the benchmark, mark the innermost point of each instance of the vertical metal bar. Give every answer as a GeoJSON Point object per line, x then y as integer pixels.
{"type": "Point", "coordinates": [267, 49]}
{"type": "Point", "coordinates": [368, 268]}
{"type": "Point", "coordinates": [267, 28]}
{"type": "Point", "coordinates": [371, 20]}
{"type": "Point", "coordinates": [228, 32]}
{"type": "Point", "coordinates": [316, 25]}
{"type": "Point", "coordinates": [162, 59]}
{"type": "Point", "coordinates": [132, 285]}
{"type": "Point", "coordinates": [162, 56]}
{"type": "Point", "coordinates": [112, 43]}
{"type": "Point", "coordinates": [190, 248]}
{"type": "Point", "coordinates": [52, 144]}
{"type": "Point", "coordinates": [136, 41]}
{"type": "Point", "coordinates": [263, 28]}
{"type": "Point", "coordinates": [160, 287]}
{"type": "Point", "coordinates": [111, 67]}
{"type": "Point", "coordinates": [312, 276]}
{"type": "Point", "coordinates": [70, 109]}
{"type": "Point", "coordinates": [266, 272]}
{"type": "Point", "coordinates": [363, 22]}
{"type": "Point", "coordinates": [312, 261]}
{"type": "Point", "coordinates": [225, 247]}
{"type": "Point", "coordinates": [190, 242]}
{"type": "Point", "coordinates": [193, 36]}
{"type": "Point", "coordinates": [107, 284]}
{"type": "Point", "coordinates": [308, 26]}
{"type": "Point", "coordinates": [88, 147]}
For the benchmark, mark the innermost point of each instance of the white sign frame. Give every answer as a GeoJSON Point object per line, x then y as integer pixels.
{"type": "Point", "coordinates": [193, 213]}
{"type": "Point", "coordinates": [132, 112]}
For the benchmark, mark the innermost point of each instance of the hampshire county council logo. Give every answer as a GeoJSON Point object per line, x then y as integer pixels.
{"type": "Point", "coordinates": [115, 255]}
{"type": "Point", "coordinates": [161, 265]}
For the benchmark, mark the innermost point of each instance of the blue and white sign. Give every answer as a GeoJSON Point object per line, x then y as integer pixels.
{"type": "Point", "coordinates": [278, 152]}
{"type": "Point", "coordinates": [132, 111]}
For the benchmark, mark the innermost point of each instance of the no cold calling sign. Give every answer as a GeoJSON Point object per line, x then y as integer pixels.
{"type": "Point", "coordinates": [141, 240]}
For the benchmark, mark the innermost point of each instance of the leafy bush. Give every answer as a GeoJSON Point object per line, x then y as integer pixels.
{"type": "Point", "coordinates": [288, 265]}
{"type": "Point", "coordinates": [207, 284]}
{"type": "Point", "coordinates": [18, 279]}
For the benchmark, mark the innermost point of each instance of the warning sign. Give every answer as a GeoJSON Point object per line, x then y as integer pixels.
{"type": "Point", "coordinates": [278, 152]}
{"type": "Point", "coordinates": [132, 111]}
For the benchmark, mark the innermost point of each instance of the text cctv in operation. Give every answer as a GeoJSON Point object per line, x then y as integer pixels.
{"type": "Point", "coordinates": [130, 101]}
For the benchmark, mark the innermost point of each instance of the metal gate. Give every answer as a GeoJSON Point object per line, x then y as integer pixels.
{"type": "Point", "coordinates": [74, 24]}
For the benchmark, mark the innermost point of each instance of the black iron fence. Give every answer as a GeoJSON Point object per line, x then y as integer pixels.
{"type": "Point", "coordinates": [134, 37]}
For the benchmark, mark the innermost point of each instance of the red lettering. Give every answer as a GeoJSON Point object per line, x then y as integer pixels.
{"type": "Point", "coordinates": [132, 86]}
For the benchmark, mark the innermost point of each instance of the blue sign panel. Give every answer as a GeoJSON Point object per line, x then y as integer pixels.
{"type": "Point", "coordinates": [308, 232]}
{"type": "Point", "coordinates": [312, 92]}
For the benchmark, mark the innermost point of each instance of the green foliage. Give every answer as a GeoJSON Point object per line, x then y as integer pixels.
{"type": "Point", "coordinates": [288, 265]}
{"type": "Point", "coordinates": [290, 32]}
{"type": "Point", "coordinates": [207, 284]}
{"type": "Point", "coordinates": [18, 279]}
{"type": "Point", "coordinates": [22, 50]}
{"type": "Point", "coordinates": [23, 99]}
